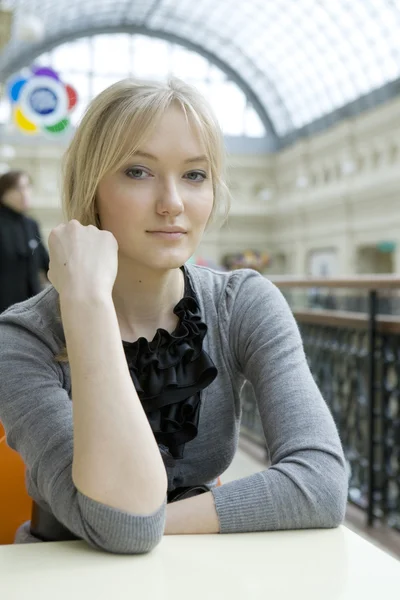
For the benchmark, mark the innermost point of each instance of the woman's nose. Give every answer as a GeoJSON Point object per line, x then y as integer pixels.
{"type": "Point", "coordinates": [169, 201]}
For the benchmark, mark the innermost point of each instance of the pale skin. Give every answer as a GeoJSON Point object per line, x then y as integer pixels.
{"type": "Point", "coordinates": [120, 283]}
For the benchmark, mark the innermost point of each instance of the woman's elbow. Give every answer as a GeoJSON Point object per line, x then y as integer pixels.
{"type": "Point", "coordinates": [334, 514]}
{"type": "Point", "coordinates": [137, 542]}
{"type": "Point", "coordinates": [330, 509]}
{"type": "Point", "coordinates": [122, 533]}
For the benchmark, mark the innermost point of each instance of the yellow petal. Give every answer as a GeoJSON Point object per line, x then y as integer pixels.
{"type": "Point", "coordinates": [23, 122]}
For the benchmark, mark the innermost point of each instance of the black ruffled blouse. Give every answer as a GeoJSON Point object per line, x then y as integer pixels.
{"type": "Point", "coordinates": [169, 373]}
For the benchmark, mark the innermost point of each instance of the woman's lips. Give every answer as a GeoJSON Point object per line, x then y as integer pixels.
{"type": "Point", "coordinates": [168, 235]}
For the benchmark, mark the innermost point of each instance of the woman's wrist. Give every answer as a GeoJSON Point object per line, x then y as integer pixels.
{"type": "Point", "coordinates": [192, 516]}
{"type": "Point", "coordinates": [86, 314]}
{"type": "Point", "coordinates": [80, 297]}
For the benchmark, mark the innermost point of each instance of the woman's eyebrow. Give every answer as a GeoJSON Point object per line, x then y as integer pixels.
{"type": "Point", "coordinates": [145, 155]}
{"type": "Point", "coordinates": [201, 158]}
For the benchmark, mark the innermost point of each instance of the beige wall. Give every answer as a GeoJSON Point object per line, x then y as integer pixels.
{"type": "Point", "coordinates": [338, 191]}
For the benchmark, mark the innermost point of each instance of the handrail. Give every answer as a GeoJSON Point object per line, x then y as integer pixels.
{"type": "Point", "coordinates": [372, 285]}
{"type": "Point", "coordinates": [376, 334]}
{"type": "Point", "coordinates": [341, 318]}
{"type": "Point", "coordinates": [367, 282]}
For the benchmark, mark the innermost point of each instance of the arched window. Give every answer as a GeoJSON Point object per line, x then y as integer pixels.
{"type": "Point", "coordinates": [91, 64]}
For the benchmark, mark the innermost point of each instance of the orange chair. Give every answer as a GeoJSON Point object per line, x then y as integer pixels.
{"type": "Point", "coordinates": [15, 504]}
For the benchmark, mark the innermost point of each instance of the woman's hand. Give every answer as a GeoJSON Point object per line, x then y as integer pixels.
{"type": "Point", "coordinates": [83, 260]}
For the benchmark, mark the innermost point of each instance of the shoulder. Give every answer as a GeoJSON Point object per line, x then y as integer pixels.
{"type": "Point", "coordinates": [240, 288]}
{"type": "Point", "coordinates": [32, 223]}
{"type": "Point", "coordinates": [5, 217]}
{"type": "Point", "coordinates": [219, 280]}
{"type": "Point", "coordinates": [38, 316]}
{"type": "Point", "coordinates": [209, 279]}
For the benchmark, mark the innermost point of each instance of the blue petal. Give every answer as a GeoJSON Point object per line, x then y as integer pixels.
{"type": "Point", "coordinates": [14, 88]}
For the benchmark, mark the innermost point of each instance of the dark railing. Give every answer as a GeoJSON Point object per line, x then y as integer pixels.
{"type": "Point", "coordinates": [355, 360]}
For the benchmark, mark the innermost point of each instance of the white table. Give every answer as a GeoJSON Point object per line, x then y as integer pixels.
{"type": "Point", "coordinates": [309, 565]}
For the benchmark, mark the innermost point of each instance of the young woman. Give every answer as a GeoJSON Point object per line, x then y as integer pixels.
{"type": "Point", "coordinates": [120, 384]}
{"type": "Point", "coordinates": [23, 257]}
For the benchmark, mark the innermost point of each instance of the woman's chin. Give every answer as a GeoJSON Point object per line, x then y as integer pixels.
{"type": "Point", "coordinates": [165, 260]}
{"type": "Point", "coordinates": [171, 262]}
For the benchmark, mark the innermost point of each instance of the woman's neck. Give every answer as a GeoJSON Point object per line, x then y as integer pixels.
{"type": "Point", "coordinates": [144, 300]}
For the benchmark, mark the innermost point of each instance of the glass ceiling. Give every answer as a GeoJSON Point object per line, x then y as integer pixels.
{"type": "Point", "coordinates": [90, 64]}
{"type": "Point", "coordinates": [296, 60]}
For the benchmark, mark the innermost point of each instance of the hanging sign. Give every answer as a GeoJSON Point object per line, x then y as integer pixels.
{"type": "Point", "coordinates": [41, 102]}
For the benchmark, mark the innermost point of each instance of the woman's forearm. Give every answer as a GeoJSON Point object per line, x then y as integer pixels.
{"type": "Point", "coordinates": [116, 458]}
{"type": "Point", "coordinates": [193, 515]}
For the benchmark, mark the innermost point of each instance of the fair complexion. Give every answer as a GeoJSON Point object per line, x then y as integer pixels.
{"type": "Point", "coordinates": [19, 198]}
{"type": "Point", "coordinates": [116, 460]}
{"type": "Point", "coordinates": [191, 516]}
{"type": "Point", "coordinates": [123, 281]}
{"type": "Point", "coordinates": [157, 206]}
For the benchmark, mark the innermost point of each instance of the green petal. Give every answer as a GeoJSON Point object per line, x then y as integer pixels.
{"type": "Point", "coordinates": [58, 127]}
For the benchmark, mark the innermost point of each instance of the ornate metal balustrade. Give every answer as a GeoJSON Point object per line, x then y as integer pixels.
{"type": "Point", "coordinates": [355, 360]}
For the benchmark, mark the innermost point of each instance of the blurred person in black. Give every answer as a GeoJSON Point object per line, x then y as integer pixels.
{"type": "Point", "coordinates": [24, 260]}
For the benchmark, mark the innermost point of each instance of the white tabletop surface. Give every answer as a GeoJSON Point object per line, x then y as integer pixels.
{"type": "Point", "coordinates": [320, 565]}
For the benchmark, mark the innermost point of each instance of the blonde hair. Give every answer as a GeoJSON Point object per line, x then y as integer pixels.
{"type": "Point", "coordinates": [114, 126]}
{"type": "Point", "coordinates": [117, 122]}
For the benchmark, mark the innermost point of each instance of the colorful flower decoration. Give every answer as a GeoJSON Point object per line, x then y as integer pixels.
{"type": "Point", "coordinates": [41, 101]}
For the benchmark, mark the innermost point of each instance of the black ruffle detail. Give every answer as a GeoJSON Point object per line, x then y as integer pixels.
{"type": "Point", "coordinates": [169, 373]}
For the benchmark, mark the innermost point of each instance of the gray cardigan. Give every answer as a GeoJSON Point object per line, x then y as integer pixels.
{"type": "Point", "coordinates": [251, 335]}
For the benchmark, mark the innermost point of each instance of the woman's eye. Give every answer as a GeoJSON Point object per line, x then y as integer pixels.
{"type": "Point", "coordinates": [196, 176]}
{"type": "Point", "coordinates": [136, 173]}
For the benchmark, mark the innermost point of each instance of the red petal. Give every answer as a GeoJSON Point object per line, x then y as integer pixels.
{"type": "Point", "coordinates": [72, 96]}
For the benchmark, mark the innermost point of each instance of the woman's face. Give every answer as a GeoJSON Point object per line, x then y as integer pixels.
{"type": "Point", "coordinates": [158, 204]}
{"type": "Point", "coordinates": [19, 197]}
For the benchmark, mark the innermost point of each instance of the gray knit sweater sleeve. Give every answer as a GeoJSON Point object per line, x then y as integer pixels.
{"type": "Point", "coordinates": [37, 415]}
{"type": "Point", "coordinates": [251, 334]}
{"type": "Point", "coordinates": [306, 485]}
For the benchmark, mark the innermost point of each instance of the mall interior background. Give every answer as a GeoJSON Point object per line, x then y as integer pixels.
{"type": "Point", "coordinates": [307, 93]}
{"type": "Point", "coordinates": [308, 96]}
